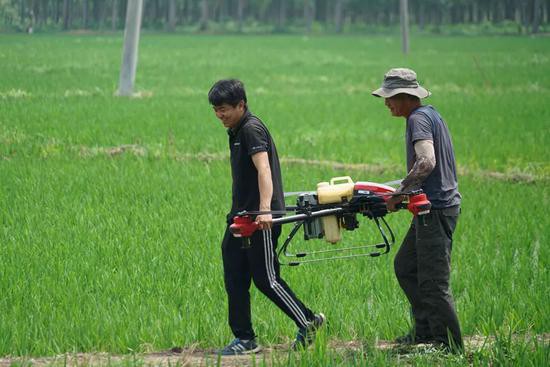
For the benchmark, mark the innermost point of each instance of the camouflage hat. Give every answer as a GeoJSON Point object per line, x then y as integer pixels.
{"type": "Point", "coordinates": [400, 80]}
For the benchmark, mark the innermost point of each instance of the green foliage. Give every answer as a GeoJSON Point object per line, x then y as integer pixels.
{"type": "Point", "coordinates": [113, 209]}
{"type": "Point", "coordinates": [9, 15]}
{"type": "Point", "coordinates": [276, 16]}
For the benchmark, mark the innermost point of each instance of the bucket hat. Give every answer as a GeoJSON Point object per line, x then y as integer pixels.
{"type": "Point", "coordinates": [401, 80]}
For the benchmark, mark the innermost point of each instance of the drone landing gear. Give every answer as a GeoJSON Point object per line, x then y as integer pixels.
{"type": "Point", "coordinates": [295, 258]}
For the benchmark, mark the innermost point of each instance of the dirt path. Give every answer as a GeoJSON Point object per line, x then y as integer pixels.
{"type": "Point", "coordinates": [191, 356]}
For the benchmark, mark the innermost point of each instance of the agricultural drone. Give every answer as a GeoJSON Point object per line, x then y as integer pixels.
{"type": "Point", "coordinates": [325, 212]}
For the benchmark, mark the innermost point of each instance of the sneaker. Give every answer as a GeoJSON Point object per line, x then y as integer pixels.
{"type": "Point", "coordinates": [411, 339]}
{"type": "Point", "coordinates": [306, 335]}
{"type": "Point", "coordinates": [239, 347]}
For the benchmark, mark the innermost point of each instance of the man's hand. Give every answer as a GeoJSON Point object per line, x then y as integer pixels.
{"type": "Point", "coordinates": [393, 201]}
{"type": "Point", "coordinates": [264, 221]}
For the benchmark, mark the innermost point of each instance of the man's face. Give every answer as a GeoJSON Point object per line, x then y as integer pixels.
{"type": "Point", "coordinates": [397, 105]}
{"type": "Point", "coordinates": [229, 115]}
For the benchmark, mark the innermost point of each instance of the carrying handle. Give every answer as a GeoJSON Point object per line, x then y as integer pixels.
{"type": "Point", "coordinates": [347, 179]}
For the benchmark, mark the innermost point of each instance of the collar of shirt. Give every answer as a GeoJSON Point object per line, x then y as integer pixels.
{"type": "Point", "coordinates": [234, 131]}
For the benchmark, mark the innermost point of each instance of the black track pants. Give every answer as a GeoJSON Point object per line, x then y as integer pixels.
{"type": "Point", "coordinates": [423, 267]}
{"type": "Point", "coordinates": [258, 263]}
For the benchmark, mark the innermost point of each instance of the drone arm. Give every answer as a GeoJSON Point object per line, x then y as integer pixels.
{"type": "Point", "coordinates": [245, 226]}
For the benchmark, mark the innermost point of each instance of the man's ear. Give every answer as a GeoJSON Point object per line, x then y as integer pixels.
{"type": "Point", "coordinates": [241, 104]}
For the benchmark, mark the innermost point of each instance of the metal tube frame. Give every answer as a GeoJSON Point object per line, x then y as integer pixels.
{"type": "Point", "coordinates": [284, 253]}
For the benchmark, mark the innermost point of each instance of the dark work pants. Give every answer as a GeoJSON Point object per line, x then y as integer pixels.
{"type": "Point", "coordinates": [259, 263]}
{"type": "Point", "coordinates": [423, 267]}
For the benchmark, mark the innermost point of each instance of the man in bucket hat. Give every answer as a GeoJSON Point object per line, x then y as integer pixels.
{"type": "Point", "coordinates": [423, 262]}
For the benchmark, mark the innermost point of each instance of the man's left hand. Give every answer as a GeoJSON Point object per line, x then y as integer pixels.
{"type": "Point", "coordinates": [264, 221]}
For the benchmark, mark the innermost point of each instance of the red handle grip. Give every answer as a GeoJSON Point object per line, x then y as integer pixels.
{"type": "Point", "coordinates": [243, 226]}
{"type": "Point", "coordinates": [419, 204]}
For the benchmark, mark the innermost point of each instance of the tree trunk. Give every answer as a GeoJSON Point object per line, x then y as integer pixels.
{"type": "Point", "coordinates": [526, 18]}
{"type": "Point", "coordinates": [223, 10]}
{"type": "Point", "coordinates": [183, 11]}
{"type": "Point", "coordinates": [151, 13]}
{"type": "Point", "coordinates": [204, 15]}
{"type": "Point", "coordinates": [66, 14]}
{"type": "Point", "coordinates": [486, 13]}
{"type": "Point", "coordinates": [338, 10]}
{"type": "Point", "coordinates": [421, 16]}
{"type": "Point", "coordinates": [22, 11]}
{"type": "Point", "coordinates": [128, 68]}
{"type": "Point", "coordinates": [282, 14]}
{"type": "Point", "coordinates": [97, 9]}
{"type": "Point", "coordinates": [190, 4]}
{"type": "Point", "coordinates": [172, 16]}
{"type": "Point", "coordinates": [240, 14]}
{"type": "Point", "coordinates": [404, 12]}
{"type": "Point", "coordinates": [32, 18]}
{"type": "Point", "coordinates": [309, 14]}
{"type": "Point", "coordinates": [475, 12]}
{"type": "Point", "coordinates": [114, 15]}
{"type": "Point", "coordinates": [466, 15]}
{"type": "Point", "coordinates": [537, 14]}
{"type": "Point", "coordinates": [41, 12]}
{"type": "Point", "coordinates": [510, 8]}
{"type": "Point", "coordinates": [84, 14]}
{"type": "Point", "coordinates": [57, 8]}
{"type": "Point", "coordinates": [495, 13]}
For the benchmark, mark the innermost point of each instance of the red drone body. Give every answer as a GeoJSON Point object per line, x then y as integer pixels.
{"type": "Point", "coordinates": [418, 204]}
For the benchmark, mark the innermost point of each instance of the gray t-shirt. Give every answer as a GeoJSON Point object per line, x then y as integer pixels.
{"type": "Point", "coordinates": [441, 186]}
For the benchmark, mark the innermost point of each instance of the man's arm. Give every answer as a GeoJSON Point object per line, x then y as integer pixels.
{"type": "Point", "coordinates": [423, 166]}
{"type": "Point", "coordinates": [265, 184]}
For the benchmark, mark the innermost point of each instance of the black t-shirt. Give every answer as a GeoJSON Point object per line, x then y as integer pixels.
{"type": "Point", "coordinates": [249, 137]}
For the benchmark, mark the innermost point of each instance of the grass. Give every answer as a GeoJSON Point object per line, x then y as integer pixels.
{"type": "Point", "coordinates": [118, 251]}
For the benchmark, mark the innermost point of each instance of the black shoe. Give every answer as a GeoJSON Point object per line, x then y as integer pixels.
{"type": "Point", "coordinates": [239, 347]}
{"type": "Point", "coordinates": [411, 339]}
{"type": "Point", "coordinates": [306, 335]}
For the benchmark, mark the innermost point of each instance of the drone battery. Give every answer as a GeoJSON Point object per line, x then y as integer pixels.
{"type": "Point", "coordinates": [313, 228]}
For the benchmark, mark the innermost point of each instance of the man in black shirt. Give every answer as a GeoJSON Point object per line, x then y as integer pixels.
{"type": "Point", "coordinates": [423, 263]}
{"type": "Point", "coordinates": [257, 186]}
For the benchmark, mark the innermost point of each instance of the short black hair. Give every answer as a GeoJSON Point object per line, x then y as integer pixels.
{"type": "Point", "coordinates": [230, 91]}
{"type": "Point", "coordinates": [408, 96]}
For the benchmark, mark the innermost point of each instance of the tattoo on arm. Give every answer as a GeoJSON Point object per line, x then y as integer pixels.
{"type": "Point", "coordinates": [423, 166]}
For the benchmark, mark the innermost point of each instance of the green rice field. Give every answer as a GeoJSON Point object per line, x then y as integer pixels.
{"type": "Point", "coordinates": [112, 209]}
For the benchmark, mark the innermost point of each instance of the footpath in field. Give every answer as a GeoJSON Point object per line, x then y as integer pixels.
{"type": "Point", "coordinates": [205, 357]}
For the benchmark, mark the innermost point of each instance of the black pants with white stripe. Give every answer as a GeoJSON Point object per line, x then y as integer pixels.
{"type": "Point", "coordinates": [258, 263]}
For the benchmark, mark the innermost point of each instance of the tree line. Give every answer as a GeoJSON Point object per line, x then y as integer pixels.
{"type": "Point", "coordinates": [525, 16]}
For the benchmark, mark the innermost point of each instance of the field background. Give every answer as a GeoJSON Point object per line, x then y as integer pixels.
{"type": "Point", "coordinates": [112, 209]}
